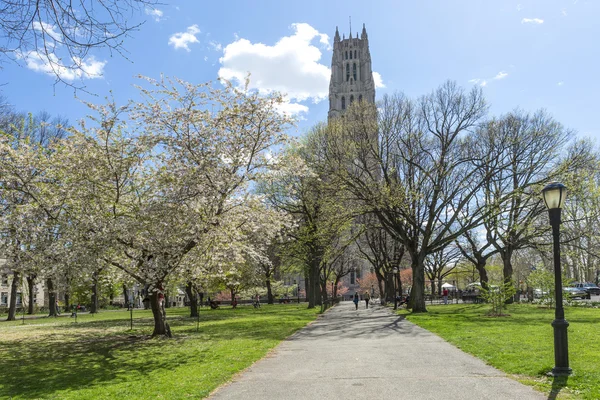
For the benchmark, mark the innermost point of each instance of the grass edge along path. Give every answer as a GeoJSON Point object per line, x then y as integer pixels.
{"type": "Point", "coordinates": [100, 358]}
{"type": "Point", "coordinates": [521, 344]}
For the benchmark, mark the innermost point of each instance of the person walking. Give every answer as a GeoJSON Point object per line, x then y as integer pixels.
{"type": "Point", "coordinates": [445, 294]}
{"type": "Point", "coordinates": [367, 297]}
{"type": "Point", "coordinates": [356, 300]}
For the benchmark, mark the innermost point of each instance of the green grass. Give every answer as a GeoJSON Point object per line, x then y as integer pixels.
{"type": "Point", "coordinates": [522, 343]}
{"type": "Point", "coordinates": [100, 358]}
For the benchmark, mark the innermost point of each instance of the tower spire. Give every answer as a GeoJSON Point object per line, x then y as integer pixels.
{"type": "Point", "coordinates": [336, 38]}
{"type": "Point", "coordinates": [363, 35]}
{"type": "Point", "coordinates": [350, 21]}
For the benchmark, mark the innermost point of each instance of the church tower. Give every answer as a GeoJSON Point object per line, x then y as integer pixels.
{"type": "Point", "coordinates": [351, 74]}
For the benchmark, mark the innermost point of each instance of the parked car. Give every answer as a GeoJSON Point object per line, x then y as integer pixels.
{"type": "Point", "coordinates": [589, 287]}
{"type": "Point", "coordinates": [538, 293]}
{"type": "Point", "coordinates": [573, 292]}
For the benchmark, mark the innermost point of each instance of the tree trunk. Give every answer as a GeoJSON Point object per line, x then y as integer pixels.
{"type": "Point", "coordinates": [189, 289]}
{"type": "Point", "coordinates": [126, 297]}
{"type": "Point", "coordinates": [161, 327]}
{"type": "Point", "coordinates": [483, 276]}
{"type": "Point", "coordinates": [167, 303]}
{"type": "Point", "coordinates": [439, 287]}
{"type": "Point", "coordinates": [51, 298]}
{"type": "Point", "coordinates": [14, 287]}
{"type": "Point", "coordinates": [232, 295]}
{"type": "Point", "coordinates": [399, 283]}
{"type": "Point", "coordinates": [269, 292]}
{"type": "Point", "coordinates": [389, 286]}
{"type": "Point", "coordinates": [94, 305]}
{"type": "Point", "coordinates": [67, 302]}
{"type": "Point", "coordinates": [31, 289]}
{"type": "Point", "coordinates": [507, 270]}
{"type": "Point", "coordinates": [417, 294]}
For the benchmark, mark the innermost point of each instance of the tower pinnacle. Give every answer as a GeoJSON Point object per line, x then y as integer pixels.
{"type": "Point", "coordinates": [351, 73]}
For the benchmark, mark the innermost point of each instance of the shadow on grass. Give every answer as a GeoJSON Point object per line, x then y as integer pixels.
{"type": "Point", "coordinates": [67, 358]}
{"type": "Point", "coordinates": [558, 383]}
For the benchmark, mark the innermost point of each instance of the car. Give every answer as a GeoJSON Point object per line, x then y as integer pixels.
{"type": "Point", "coordinates": [573, 292]}
{"type": "Point", "coordinates": [589, 287]}
{"type": "Point", "coordinates": [538, 293]}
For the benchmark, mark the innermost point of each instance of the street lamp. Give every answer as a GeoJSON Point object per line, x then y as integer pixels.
{"type": "Point", "coordinates": [554, 196]}
{"type": "Point", "coordinates": [395, 295]}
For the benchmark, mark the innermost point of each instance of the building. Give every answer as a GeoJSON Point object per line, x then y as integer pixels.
{"type": "Point", "coordinates": [351, 80]}
{"type": "Point", "coordinates": [351, 73]}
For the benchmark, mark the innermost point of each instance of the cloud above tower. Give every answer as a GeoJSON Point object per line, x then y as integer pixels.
{"type": "Point", "coordinates": [289, 66]}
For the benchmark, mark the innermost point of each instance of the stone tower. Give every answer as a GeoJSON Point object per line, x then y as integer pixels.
{"type": "Point", "coordinates": [351, 74]}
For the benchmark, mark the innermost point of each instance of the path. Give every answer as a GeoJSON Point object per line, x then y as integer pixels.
{"type": "Point", "coordinates": [370, 354]}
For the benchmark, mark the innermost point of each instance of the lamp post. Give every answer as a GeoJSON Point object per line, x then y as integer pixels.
{"type": "Point", "coordinates": [395, 295]}
{"type": "Point", "coordinates": [554, 195]}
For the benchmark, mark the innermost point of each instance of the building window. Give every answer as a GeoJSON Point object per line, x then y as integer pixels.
{"type": "Point", "coordinates": [346, 54]}
{"type": "Point", "coordinates": [347, 72]}
{"type": "Point", "coordinates": [4, 298]}
{"type": "Point", "coordinates": [351, 98]}
{"type": "Point", "coordinates": [343, 103]}
{"type": "Point", "coordinates": [360, 97]}
{"type": "Point", "coordinates": [351, 54]}
{"type": "Point", "coordinates": [354, 53]}
{"type": "Point", "coordinates": [354, 70]}
{"type": "Point", "coordinates": [4, 280]}
{"type": "Point", "coordinates": [352, 278]}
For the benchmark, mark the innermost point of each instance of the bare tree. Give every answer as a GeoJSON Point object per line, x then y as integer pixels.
{"type": "Point", "coordinates": [33, 30]}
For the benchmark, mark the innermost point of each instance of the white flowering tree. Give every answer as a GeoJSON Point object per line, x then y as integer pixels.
{"type": "Point", "coordinates": [148, 182]}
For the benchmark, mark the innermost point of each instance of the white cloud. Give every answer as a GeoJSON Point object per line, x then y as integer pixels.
{"type": "Point", "coordinates": [181, 40]}
{"type": "Point", "coordinates": [564, 12]}
{"type": "Point", "coordinates": [378, 80]}
{"type": "Point", "coordinates": [532, 21]}
{"type": "Point", "coordinates": [289, 66]}
{"type": "Point", "coordinates": [51, 65]}
{"type": "Point", "coordinates": [205, 58]}
{"type": "Point", "coordinates": [215, 45]}
{"type": "Point", "coordinates": [47, 29]}
{"type": "Point", "coordinates": [560, 83]}
{"type": "Point", "coordinates": [154, 13]}
{"type": "Point", "coordinates": [519, 7]}
{"type": "Point", "coordinates": [484, 82]}
{"type": "Point", "coordinates": [292, 108]}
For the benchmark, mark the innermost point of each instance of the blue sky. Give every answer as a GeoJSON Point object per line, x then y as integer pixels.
{"type": "Point", "coordinates": [527, 54]}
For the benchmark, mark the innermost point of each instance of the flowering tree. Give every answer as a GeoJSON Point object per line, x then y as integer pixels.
{"type": "Point", "coordinates": [149, 182]}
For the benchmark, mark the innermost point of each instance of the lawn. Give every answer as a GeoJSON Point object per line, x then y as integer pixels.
{"type": "Point", "coordinates": [522, 343]}
{"type": "Point", "coordinates": [98, 357]}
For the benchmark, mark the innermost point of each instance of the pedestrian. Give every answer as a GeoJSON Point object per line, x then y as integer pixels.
{"type": "Point", "coordinates": [57, 308]}
{"type": "Point", "coordinates": [356, 300]}
{"type": "Point", "coordinates": [445, 294]}
{"type": "Point", "coordinates": [366, 297]}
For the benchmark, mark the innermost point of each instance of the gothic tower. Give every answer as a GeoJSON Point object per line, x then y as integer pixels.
{"type": "Point", "coordinates": [351, 74]}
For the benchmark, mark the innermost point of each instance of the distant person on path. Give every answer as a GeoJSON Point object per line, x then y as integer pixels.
{"type": "Point", "coordinates": [445, 294]}
{"type": "Point", "coordinates": [366, 297]}
{"type": "Point", "coordinates": [257, 302]}
{"type": "Point", "coordinates": [57, 308]}
{"type": "Point", "coordinates": [356, 300]}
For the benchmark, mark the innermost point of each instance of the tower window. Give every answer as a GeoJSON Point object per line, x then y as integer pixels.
{"type": "Point", "coordinates": [343, 103]}
{"type": "Point", "coordinates": [347, 72]}
{"type": "Point", "coordinates": [346, 54]}
{"type": "Point", "coordinates": [354, 53]}
{"type": "Point", "coordinates": [354, 71]}
{"type": "Point", "coordinates": [351, 54]}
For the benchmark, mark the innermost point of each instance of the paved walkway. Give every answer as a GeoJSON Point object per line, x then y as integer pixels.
{"type": "Point", "coordinates": [370, 354]}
